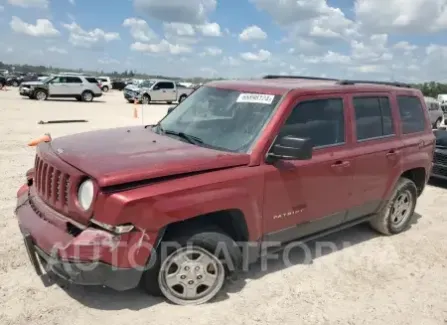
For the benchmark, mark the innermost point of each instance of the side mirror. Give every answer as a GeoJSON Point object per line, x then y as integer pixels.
{"type": "Point", "coordinates": [291, 148]}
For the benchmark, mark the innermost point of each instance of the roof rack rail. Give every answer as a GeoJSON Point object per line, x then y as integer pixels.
{"type": "Point", "coordinates": [341, 81]}
{"type": "Point", "coordinates": [387, 83]}
{"type": "Point", "coordinates": [297, 77]}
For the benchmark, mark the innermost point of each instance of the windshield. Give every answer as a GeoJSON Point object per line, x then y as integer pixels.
{"type": "Point", "coordinates": [46, 79]}
{"type": "Point", "coordinates": [223, 119]}
{"type": "Point", "coordinates": [146, 84]}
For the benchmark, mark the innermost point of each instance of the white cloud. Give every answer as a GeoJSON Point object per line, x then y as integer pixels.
{"type": "Point", "coordinates": [417, 16]}
{"type": "Point", "coordinates": [107, 60]}
{"type": "Point", "coordinates": [179, 29]}
{"type": "Point", "coordinates": [211, 51]}
{"type": "Point", "coordinates": [330, 57]}
{"type": "Point", "coordinates": [252, 33]}
{"type": "Point", "coordinates": [230, 61]}
{"type": "Point", "coordinates": [30, 3]}
{"type": "Point", "coordinates": [210, 29]}
{"type": "Point", "coordinates": [57, 50]}
{"type": "Point", "coordinates": [163, 47]}
{"type": "Point", "coordinates": [72, 2]}
{"type": "Point", "coordinates": [405, 46]}
{"type": "Point", "coordinates": [140, 30]}
{"type": "Point", "coordinates": [191, 12]}
{"type": "Point", "coordinates": [42, 28]}
{"type": "Point", "coordinates": [91, 38]}
{"type": "Point", "coordinates": [261, 55]}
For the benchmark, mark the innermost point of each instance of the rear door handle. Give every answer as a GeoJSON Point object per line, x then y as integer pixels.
{"type": "Point", "coordinates": [392, 154]}
{"type": "Point", "coordinates": [341, 164]}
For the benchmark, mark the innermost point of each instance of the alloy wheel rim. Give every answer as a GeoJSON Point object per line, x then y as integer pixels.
{"type": "Point", "coordinates": [401, 209]}
{"type": "Point", "coordinates": [40, 95]}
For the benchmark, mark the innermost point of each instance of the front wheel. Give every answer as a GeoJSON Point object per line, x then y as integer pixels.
{"type": "Point", "coordinates": [145, 99]}
{"type": "Point", "coordinates": [438, 124]}
{"type": "Point", "coordinates": [193, 271]}
{"type": "Point", "coordinates": [105, 89]}
{"type": "Point", "coordinates": [396, 216]}
{"type": "Point", "coordinates": [15, 83]}
{"type": "Point", "coordinates": [40, 95]}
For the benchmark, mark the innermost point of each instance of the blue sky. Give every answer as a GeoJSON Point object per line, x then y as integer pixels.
{"type": "Point", "coordinates": [377, 39]}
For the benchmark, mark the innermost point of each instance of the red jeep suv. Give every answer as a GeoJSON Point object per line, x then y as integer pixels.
{"type": "Point", "coordinates": [178, 206]}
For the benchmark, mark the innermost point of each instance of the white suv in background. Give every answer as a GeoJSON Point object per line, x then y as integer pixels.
{"type": "Point", "coordinates": [435, 112]}
{"type": "Point", "coordinates": [106, 83]}
{"type": "Point", "coordinates": [83, 88]}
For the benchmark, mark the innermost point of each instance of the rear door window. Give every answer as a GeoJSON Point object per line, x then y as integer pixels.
{"type": "Point", "coordinates": [411, 114]}
{"type": "Point", "coordinates": [373, 117]}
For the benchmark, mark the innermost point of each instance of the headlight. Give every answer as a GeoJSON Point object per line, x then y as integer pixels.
{"type": "Point", "coordinates": [85, 194]}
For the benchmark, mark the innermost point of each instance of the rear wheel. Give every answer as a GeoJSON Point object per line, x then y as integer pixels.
{"type": "Point", "coordinates": [193, 271]}
{"type": "Point", "coordinates": [15, 83]}
{"type": "Point", "coordinates": [396, 216]}
{"type": "Point", "coordinates": [438, 123]}
{"type": "Point", "coordinates": [87, 96]}
{"type": "Point", "coordinates": [40, 95]}
{"type": "Point", "coordinates": [182, 98]}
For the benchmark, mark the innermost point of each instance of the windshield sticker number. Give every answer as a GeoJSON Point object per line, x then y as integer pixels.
{"type": "Point", "coordinates": [255, 98]}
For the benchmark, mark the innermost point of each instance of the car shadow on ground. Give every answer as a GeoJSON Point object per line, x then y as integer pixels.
{"type": "Point", "coordinates": [303, 254]}
{"type": "Point", "coordinates": [74, 100]}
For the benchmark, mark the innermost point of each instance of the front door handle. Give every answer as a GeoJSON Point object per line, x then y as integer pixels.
{"type": "Point", "coordinates": [341, 164]}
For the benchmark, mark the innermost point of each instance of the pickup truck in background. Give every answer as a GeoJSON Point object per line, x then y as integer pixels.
{"type": "Point", "coordinates": [157, 91]}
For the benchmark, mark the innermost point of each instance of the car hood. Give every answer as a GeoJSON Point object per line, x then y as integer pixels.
{"type": "Point", "coordinates": [31, 83]}
{"type": "Point", "coordinates": [132, 87]}
{"type": "Point", "coordinates": [124, 155]}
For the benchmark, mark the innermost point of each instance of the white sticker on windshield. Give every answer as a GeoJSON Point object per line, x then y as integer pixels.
{"type": "Point", "coordinates": [255, 98]}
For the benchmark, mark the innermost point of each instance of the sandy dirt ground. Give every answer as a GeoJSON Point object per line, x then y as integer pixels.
{"type": "Point", "coordinates": [370, 280]}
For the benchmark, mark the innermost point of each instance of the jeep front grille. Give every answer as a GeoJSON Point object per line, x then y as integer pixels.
{"type": "Point", "coordinates": [52, 185]}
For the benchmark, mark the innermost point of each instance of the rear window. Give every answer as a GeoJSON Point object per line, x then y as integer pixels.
{"type": "Point", "coordinates": [92, 80]}
{"type": "Point", "coordinates": [411, 114]}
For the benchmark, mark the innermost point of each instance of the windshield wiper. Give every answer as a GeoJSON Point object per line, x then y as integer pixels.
{"type": "Point", "coordinates": [190, 138]}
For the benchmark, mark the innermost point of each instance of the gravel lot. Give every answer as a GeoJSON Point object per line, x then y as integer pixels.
{"type": "Point", "coordinates": [373, 280]}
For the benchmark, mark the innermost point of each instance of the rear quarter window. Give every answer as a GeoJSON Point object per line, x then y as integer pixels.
{"type": "Point", "coordinates": [411, 114]}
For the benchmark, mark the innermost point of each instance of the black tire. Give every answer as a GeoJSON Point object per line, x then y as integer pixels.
{"type": "Point", "coordinates": [2, 85]}
{"type": "Point", "coordinates": [182, 98]}
{"type": "Point", "coordinates": [40, 94]}
{"type": "Point", "coordinates": [383, 222]}
{"type": "Point", "coordinates": [87, 96]}
{"type": "Point", "coordinates": [15, 83]}
{"type": "Point", "coordinates": [437, 124]}
{"type": "Point", "coordinates": [105, 89]}
{"type": "Point", "coordinates": [146, 99]}
{"type": "Point", "coordinates": [208, 239]}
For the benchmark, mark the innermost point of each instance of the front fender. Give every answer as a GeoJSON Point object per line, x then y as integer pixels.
{"type": "Point", "coordinates": [155, 206]}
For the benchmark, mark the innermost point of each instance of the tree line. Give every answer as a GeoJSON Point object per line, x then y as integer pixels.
{"type": "Point", "coordinates": [430, 89]}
